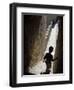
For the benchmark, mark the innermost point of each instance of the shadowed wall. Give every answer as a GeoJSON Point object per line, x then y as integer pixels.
{"type": "Point", "coordinates": [58, 64]}
{"type": "Point", "coordinates": [35, 42]}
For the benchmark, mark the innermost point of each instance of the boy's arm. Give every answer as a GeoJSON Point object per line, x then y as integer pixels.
{"type": "Point", "coordinates": [55, 59]}
{"type": "Point", "coordinates": [45, 58]}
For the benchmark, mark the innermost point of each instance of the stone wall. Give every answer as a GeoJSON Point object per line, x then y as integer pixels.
{"type": "Point", "coordinates": [35, 42]}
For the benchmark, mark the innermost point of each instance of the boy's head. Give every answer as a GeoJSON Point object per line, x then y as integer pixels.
{"type": "Point", "coordinates": [50, 49]}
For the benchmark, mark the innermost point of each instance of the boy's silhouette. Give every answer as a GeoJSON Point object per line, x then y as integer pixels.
{"type": "Point", "coordinates": [48, 58]}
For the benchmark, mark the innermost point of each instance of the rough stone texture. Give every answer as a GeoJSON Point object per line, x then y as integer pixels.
{"type": "Point", "coordinates": [35, 41]}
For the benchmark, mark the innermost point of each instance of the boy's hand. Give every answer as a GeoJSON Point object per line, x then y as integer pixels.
{"type": "Point", "coordinates": [55, 59]}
